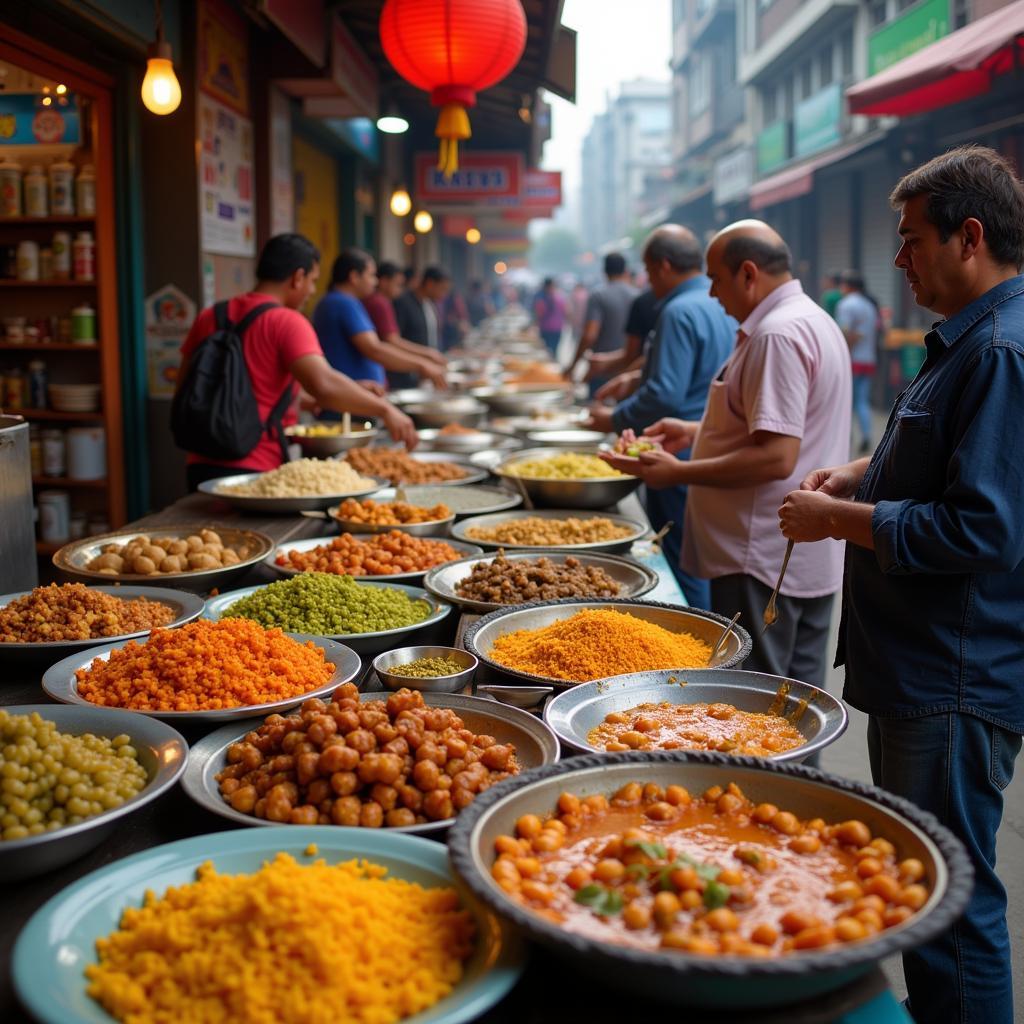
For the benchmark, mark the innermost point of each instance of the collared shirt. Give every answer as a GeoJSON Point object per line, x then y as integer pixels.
{"type": "Point", "coordinates": [932, 617]}
{"type": "Point", "coordinates": [430, 315]}
{"type": "Point", "coordinates": [692, 338]}
{"type": "Point", "coordinates": [609, 306]}
{"type": "Point", "coordinates": [790, 374]}
{"type": "Point", "coordinates": [338, 318]}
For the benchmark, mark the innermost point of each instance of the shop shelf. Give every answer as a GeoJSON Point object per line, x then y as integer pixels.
{"type": "Point", "coordinates": [7, 282]}
{"type": "Point", "coordinates": [55, 219]}
{"type": "Point", "coordinates": [53, 414]}
{"type": "Point", "coordinates": [47, 547]}
{"type": "Point", "coordinates": [66, 481]}
{"type": "Point", "coordinates": [46, 346]}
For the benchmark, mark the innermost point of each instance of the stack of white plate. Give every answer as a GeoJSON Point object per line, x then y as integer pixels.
{"type": "Point", "coordinates": [75, 397]}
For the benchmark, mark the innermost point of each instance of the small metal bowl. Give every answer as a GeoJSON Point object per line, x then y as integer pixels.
{"type": "Point", "coordinates": [432, 528]}
{"type": "Point", "coordinates": [385, 663]}
{"type": "Point", "coordinates": [469, 500]}
{"type": "Point", "coordinates": [162, 752]}
{"type": "Point", "coordinates": [566, 438]}
{"type": "Point", "coordinates": [323, 446]}
{"type": "Point", "coordinates": [638, 530]}
{"type": "Point", "coordinates": [465, 411]}
{"type": "Point", "coordinates": [521, 399]}
{"type": "Point", "coordinates": [438, 441]}
{"type": "Point", "coordinates": [585, 492]}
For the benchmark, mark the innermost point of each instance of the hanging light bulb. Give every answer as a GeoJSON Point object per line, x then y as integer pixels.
{"type": "Point", "coordinates": [409, 238]}
{"type": "Point", "coordinates": [500, 267]}
{"type": "Point", "coordinates": [161, 92]}
{"type": "Point", "coordinates": [400, 204]}
{"type": "Point", "coordinates": [423, 222]}
{"type": "Point", "coordinates": [473, 235]}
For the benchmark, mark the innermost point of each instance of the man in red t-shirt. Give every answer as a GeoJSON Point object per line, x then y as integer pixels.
{"type": "Point", "coordinates": [281, 347]}
{"type": "Point", "coordinates": [380, 306]}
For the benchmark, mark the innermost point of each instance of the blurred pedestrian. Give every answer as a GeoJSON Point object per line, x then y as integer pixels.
{"type": "Point", "coordinates": [419, 317]}
{"type": "Point", "coordinates": [624, 367]}
{"type": "Point", "coordinates": [692, 339]}
{"type": "Point", "coordinates": [454, 320]}
{"type": "Point", "coordinates": [934, 586]}
{"type": "Point", "coordinates": [859, 320]}
{"type": "Point", "coordinates": [549, 315]}
{"type": "Point", "coordinates": [831, 292]}
{"type": "Point", "coordinates": [578, 308]}
{"type": "Point", "coordinates": [479, 305]}
{"type": "Point", "coordinates": [604, 322]}
{"type": "Point", "coordinates": [776, 408]}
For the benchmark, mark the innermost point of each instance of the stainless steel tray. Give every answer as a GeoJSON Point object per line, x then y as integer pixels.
{"type": "Point", "coordinates": [522, 399]}
{"type": "Point", "coordinates": [464, 549]}
{"type": "Point", "coordinates": [280, 506]}
{"type": "Point", "coordinates": [324, 446]}
{"type": "Point", "coordinates": [593, 493]}
{"type": "Point", "coordinates": [185, 606]}
{"type": "Point", "coordinates": [363, 643]}
{"type": "Point", "coordinates": [61, 684]}
{"type": "Point", "coordinates": [638, 529]}
{"type": "Point", "coordinates": [820, 717]}
{"type": "Point", "coordinates": [424, 495]}
{"type": "Point", "coordinates": [719, 981]}
{"type": "Point", "coordinates": [73, 558]}
{"type": "Point", "coordinates": [706, 626]}
{"type": "Point", "coordinates": [535, 745]}
{"type": "Point", "coordinates": [434, 440]}
{"type": "Point", "coordinates": [634, 579]}
{"type": "Point", "coordinates": [162, 752]}
{"type": "Point", "coordinates": [473, 473]}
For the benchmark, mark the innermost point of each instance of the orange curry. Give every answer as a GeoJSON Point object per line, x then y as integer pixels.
{"type": "Point", "coordinates": [720, 727]}
{"type": "Point", "coordinates": [655, 868]}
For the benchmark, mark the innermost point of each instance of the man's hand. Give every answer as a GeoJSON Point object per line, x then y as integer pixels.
{"type": "Point", "coordinates": [601, 418]}
{"type": "Point", "coordinates": [673, 435]}
{"type": "Point", "coordinates": [657, 469]}
{"type": "Point", "coordinates": [400, 427]}
{"type": "Point", "coordinates": [806, 516]}
{"type": "Point", "coordinates": [598, 363]}
{"type": "Point", "coordinates": [373, 387]}
{"type": "Point", "coordinates": [619, 387]}
{"type": "Point", "coordinates": [837, 481]}
{"type": "Point", "coordinates": [435, 373]}
{"type": "Point", "coordinates": [434, 356]}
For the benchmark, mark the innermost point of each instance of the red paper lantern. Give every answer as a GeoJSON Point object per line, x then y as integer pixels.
{"type": "Point", "coordinates": [453, 49]}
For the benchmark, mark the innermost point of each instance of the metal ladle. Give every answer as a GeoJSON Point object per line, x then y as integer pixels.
{"type": "Point", "coordinates": [720, 642]}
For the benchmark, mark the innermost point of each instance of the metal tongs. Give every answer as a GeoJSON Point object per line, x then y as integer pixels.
{"type": "Point", "coordinates": [771, 613]}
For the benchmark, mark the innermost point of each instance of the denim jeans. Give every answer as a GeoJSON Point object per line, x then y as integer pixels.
{"type": "Point", "coordinates": [552, 340]}
{"type": "Point", "coordinates": [862, 403]}
{"type": "Point", "coordinates": [956, 766]}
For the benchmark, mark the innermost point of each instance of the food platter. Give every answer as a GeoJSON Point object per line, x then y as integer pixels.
{"type": "Point", "coordinates": [438, 412]}
{"type": "Point", "coordinates": [521, 399]}
{"type": "Point", "coordinates": [704, 625]}
{"type": "Point", "coordinates": [280, 506]}
{"type": "Point", "coordinates": [534, 741]}
{"type": "Point", "coordinates": [567, 438]}
{"type": "Point", "coordinates": [634, 579]}
{"type": "Point", "coordinates": [431, 528]}
{"type": "Point", "coordinates": [819, 716]}
{"type": "Point", "coordinates": [465, 550]}
{"type": "Point", "coordinates": [323, 446]}
{"type": "Point", "coordinates": [589, 493]}
{"type": "Point", "coordinates": [73, 558]}
{"type": "Point", "coordinates": [362, 643]}
{"type": "Point", "coordinates": [546, 419]}
{"type": "Point", "coordinates": [717, 981]}
{"type": "Point", "coordinates": [434, 440]}
{"type": "Point", "coordinates": [60, 683]}
{"type": "Point", "coordinates": [185, 606]}
{"type": "Point", "coordinates": [470, 500]}
{"type": "Point", "coordinates": [473, 474]}
{"type": "Point", "coordinates": [60, 939]}
{"type": "Point", "coordinates": [162, 752]}
{"type": "Point", "coordinates": [620, 545]}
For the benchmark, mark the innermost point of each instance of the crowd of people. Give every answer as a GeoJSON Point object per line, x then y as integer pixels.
{"type": "Point", "coordinates": [743, 384]}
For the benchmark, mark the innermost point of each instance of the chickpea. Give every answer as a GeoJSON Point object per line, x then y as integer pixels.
{"type": "Point", "coordinates": [691, 899]}
{"type": "Point", "coordinates": [538, 891]}
{"type": "Point", "coordinates": [371, 815]}
{"type": "Point", "coordinates": [896, 915]}
{"type": "Point", "coordinates": [661, 811]}
{"type": "Point", "coordinates": [763, 813]}
{"type": "Point", "coordinates": [243, 799]}
{"type": "Point", "coordinates": [730, 876]}
{"type": "Point", "coordinates": [528, 867]}
{"type": "Point", "coordinates": [569, 803]}
{"type": "Point", "coordinates": [786, 822]}
{"type": "Point", "coordinates": [677, 796]}
{"type": "Point", "coordinates": [869, 866]}
{"type": "Point", "coordinates": [849, 929]}
{"type": "Point", "coordinates": [815, 937]}
{"type": "Point", "coordinates": [846, 892]}
{"type": "Point", "coordinates": [634, 740]}
{"type": "Point", "coordinates": [871, 919]}
{"type": "Point", "coordinates": [609, 870]}
{"type": "Point", "coordinates": [914, 896]}
{"type": "Point", "coordinates": [722, 919]}
{"type": "Point", "coordinates": [548, 841]}
{"type": "Point", "coordinates": [636, 916]}
{"type": "Point", "coordinates": [728, 804]}
{"type": "Point", "coordinates": [910, 870]}
{"type": "Point", "coordinates": [685, 879]}
{"type": "Point", "coordinates": [578, 877]}
{"type": "Point", "coordinates": [884, 886]}
{"type": "Point", "coordinates": [795, 921]}
{"type": "Point", "coordinates": [805, 844]}
{"type": "Point", "coordinates": [853, 833]}
{"type": "Point", "coordinates": [666, 907]}
{"type": "Point", "coordinates": [628, 794]}
{"type": "Point", "coordinates": [528, 826]}
{"type": "Point", "coordinates": [399, 817]}
{"type": "Point", "coordinates": [305, 815]}
{"type": "Point", "coordinates": [764, 935]}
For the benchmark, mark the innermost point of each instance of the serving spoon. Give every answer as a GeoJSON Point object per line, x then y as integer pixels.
{"type": "Point", "coordinates": [720, 642]}
{"type": "Point", "coordinates": [771, 613]}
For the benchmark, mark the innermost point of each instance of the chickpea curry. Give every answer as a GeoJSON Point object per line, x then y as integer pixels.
{"type": "Point", "coordinates": [722, 727]}
{"type": "Point", "coordinates": [656, 868]}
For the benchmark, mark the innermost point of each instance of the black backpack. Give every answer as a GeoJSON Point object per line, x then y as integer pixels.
{"type": "Point", "coordinates": [214, 413]}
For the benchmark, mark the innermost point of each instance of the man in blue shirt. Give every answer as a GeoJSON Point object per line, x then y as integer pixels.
{"type": "Point", "coordinates": [933, 596]}
{"type": "Point", "coordinates": [693, 337]}
{"type": "Point", "coordinates": [347, 334]}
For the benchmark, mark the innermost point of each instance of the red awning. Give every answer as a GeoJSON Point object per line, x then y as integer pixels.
{"type": "Point", "coordinates": [955, 68]}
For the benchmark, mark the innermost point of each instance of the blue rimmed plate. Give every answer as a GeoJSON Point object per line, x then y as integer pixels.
{"type": "Point", "coordinates": [59, 941]}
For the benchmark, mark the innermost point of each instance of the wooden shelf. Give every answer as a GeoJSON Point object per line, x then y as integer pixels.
{"type": "Point", "coordinates": [55, 219]}
{"type": "Point", "coordinates": [7, 282]}
{"type": "Point", "coordinates": [53, 414]}
{"type": "Point", "coordinates": [46, 346]}
{"type": "Point", "coordinates": [66, 481]}
{"type": "Point", "coordinates": [48, 547]}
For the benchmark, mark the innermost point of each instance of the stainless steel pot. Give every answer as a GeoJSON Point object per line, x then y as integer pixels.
{"type": "Point", "coordinates": [18, 569]}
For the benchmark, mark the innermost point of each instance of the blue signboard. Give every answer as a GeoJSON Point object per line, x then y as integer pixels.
{"type": "Point", "coordinates": [25, 121]}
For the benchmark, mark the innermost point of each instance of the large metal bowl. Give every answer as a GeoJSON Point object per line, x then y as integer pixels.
{"type": "Point", "coordinates": [473, 474]}
{"type": "Point", "coordinates": [634, 579]}
{"type": "Point", "coordinates": [718, 981]}
{"type": "Point", "coordinates": [706, 626]}
{"type": "Point", "coordinates": [281, 506]}
{"type": "Point", "coordinates": [437, 441]}
{"type": "Point", "coordinates": [325, 445]}
{"type": "Point", "coordinates": [363, 643]}
{"type": "Point", "coordinates": [522, 399]}
{"type": "Point", "coordinates": [162, 752]}
{"type": "Point", "coordinates": [535, 744]}
{"type": "Point", "coordinates": [469, 500]}
{"type": "Point", "coordinates": [432, 528]}
{"type": "Point", "coordinates": [73, 558]}
{"type": "Point", "coordinates": [61, 684]}
{"type": "Point", "coordinates": [185, 607]}
{"type": "Point", "coordinates": [593, 493]}
{"type": "Point", "coordinates": [465, 550]}
{"type": "Point", "coordinates": [568, 438]}
{"type": "Point", "coordinates": [820, 717]}
{"type": "Point", "coordinates": [462, 409]}
{"type": "Point", "coordinates": [405, 397]}
{"type": "Point", "coordinates": [547, 419]}
{"type": "Point", "coordinates": [638, 530]}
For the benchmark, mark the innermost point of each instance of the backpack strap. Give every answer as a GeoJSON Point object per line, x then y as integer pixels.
{"type": "Point", "coordinates": [220, 315]}
{"type": "Point", "coordinates": [275, 425]}
{"type": "Point", "coordinates": [253, 313]}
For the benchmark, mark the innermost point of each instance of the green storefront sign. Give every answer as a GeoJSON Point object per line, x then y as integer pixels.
{"type": "Point", "coordinates": [912, 31]}
{"type": "Point", "coordinates": [817, 120]}
{"type": "Point", "coordinates": [772, 147]}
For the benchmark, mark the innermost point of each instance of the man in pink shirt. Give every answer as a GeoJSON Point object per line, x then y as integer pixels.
{"type": "Point", "coordinates": [776, 408]}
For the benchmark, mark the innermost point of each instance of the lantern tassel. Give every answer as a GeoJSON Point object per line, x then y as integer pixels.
{"type": "Point", "coordinates": [452, 125]}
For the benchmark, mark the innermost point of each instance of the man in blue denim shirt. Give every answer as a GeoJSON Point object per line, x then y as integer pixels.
{"type": "Point", "coordinates": [934, 590]}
